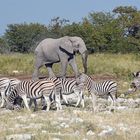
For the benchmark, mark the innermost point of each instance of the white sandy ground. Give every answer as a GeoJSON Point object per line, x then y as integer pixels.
{"type": "Point", "coordinates": [74, 123]}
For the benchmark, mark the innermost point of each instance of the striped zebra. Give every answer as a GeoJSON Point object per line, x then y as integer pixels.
{"type": "Point", "coordinates": [106, 88]}
{"type": "Point", "coordinates": [135, 84]}
{"type": "Point", "coordinates": [35, 90]}
{"type": "Point", "coordinates": [72, 88]}
{"type": "Point", "coordinates": [8, 85]}
{"type": "Point", "coordinates": [4, 87]}
{"type": "Point", "coordinates": [65, 87]}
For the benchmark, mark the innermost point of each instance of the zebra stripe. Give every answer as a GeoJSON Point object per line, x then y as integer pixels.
{"type": "Point", "coordinates": [34, 90]}
{"type": "Point", "coordinates": [106, 88]}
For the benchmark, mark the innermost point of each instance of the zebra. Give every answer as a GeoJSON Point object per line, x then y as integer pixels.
{"type": "Point", "coordinates": [66, 87]}
{"type": "Point", "coordinates": [34, 90]}
{"type": "Point", "coordinates": [106, 88]}
{"type": "Point", "coordinates": [71, 87]}
{"type": "Point", "coordinates": [4, 87]}
{"type": "Point", "coordinates": [9, 85]}
{"type": "Point", "coordinates": [135, 84]}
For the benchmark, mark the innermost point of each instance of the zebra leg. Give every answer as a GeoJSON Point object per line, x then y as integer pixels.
{"type": "Point", "coordinates": [48, 102]}
{"type": "Point", "coordinates": [43, 102]}
{"type": "Point", "coordinates": [2, 103]}
{"type": "Point", "coordinates": [30, 102]}
{"type": "Point", "coordinates": [25, 102]}
{"type": "Point", "coordinates": [2, 99]}
{"type": "Point", "coordinates": [35, 103]}
{"type": "Point", "coordinates": [58, 103]}
{"type": "Point", "coordinates": [94, 102]}
{"type": "Point", "coordinates": [113, 102]}
{"type": "Point", "coordinates": [82, 100]}
{"type": "Point", "coordinates": [65, 99]}
{"type": "Point", "coordinates": [79, 99]}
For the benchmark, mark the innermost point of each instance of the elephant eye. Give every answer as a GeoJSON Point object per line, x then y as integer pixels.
{"type": "Point", "coordinates": [78, 45]}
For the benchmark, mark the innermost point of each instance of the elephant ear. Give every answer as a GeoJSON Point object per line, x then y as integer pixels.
{"type": "Point", "coordinates": [66, 45]}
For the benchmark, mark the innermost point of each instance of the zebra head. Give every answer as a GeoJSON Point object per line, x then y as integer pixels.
{"type": "Point", "coordinates": [134, 85]}
{"type": "Point", "coordinates": [82, 78]}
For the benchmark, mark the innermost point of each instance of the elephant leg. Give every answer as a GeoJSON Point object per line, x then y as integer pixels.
{"type": "Point", "coordinates": [64, 64]}
{"type": "Point", "coordinates": [50, 71]}
{"type": "Point", "coordinates": [73, 64]}
{"type": "Point", "coordinates": [37, 65]}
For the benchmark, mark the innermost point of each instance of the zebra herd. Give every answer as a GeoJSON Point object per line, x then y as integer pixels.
{"type": "Point", "coordinates": [53, 90]}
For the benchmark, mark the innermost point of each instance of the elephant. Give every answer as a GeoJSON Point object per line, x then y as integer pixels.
{"type": "Point", "coordinates": [63, 50]}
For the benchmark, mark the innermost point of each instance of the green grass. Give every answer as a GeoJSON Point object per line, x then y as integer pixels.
{"type": "Point", "coordinates": [117, 65]}
{"type": "Point", "coordinates": [101, 66]}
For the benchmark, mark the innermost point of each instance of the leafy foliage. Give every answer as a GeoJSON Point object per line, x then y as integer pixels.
{"type": "Point", "coordinates": [116, 32]}
{"type": "Point", "coordinates": [23, 37]}
{"type": "Point", "coordinates": [4, 48]}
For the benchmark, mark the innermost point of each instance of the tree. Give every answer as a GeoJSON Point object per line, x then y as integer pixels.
{"type": "Point", "coordinates": [128, 18]}
{"type": "Point", "coordinates": [4, 48]}
{"type": "Point", "coordinates": [55, 28]}
{"type": "Point", "coordinates": [24, 37]}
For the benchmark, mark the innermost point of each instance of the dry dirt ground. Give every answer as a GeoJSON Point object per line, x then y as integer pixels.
{"type": "Point", "coordinates": [74, 123]}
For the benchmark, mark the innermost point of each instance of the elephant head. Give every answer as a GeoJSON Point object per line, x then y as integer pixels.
{"type": "Point", "coordinates": [79, 45]}
{"type": "Point", "coordinates": [76, 44]}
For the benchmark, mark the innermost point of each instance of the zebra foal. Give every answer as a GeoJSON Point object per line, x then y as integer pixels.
{"type": "Point", "coordinates": [35, 90]}
{"type": "Point", "coordinates": [106, 88]}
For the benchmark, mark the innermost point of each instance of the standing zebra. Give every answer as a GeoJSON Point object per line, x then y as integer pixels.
{"type": "Point", "coordinates": [8, 85]}
{"type": "Point", "coordinates": [106, 88]}
{"type": "Point", "coordinates": [34, 90]}
{"type": "Point", "coordinates": [66, 87]}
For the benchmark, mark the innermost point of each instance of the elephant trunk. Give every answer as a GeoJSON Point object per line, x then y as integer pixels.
{"type": "Point", "coordinates": [84, 60]}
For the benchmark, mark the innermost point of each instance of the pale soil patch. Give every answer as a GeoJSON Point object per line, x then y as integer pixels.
{"type": "Point", "coordinates": [72, 124]}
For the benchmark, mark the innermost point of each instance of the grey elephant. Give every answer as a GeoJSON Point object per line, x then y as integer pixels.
{"type": "Point", "coordinates": [50, 51]}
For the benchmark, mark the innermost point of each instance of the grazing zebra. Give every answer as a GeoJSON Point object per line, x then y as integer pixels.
{"type": "Point", "coordinates": [9, 85]}
{"type": "Point", "coordinates": [34, 90]}
{"type": "Point", "coordinates": [66, 87]}
{"type": "Point", "coordinates": [106, 88]}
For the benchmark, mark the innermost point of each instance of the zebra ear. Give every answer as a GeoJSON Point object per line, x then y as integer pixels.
{"type": "Point", "coordinates": [136, 74]}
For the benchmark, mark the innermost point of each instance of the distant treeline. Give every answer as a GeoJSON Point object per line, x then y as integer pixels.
{"type": "Point", "coordinates": [116, 32]}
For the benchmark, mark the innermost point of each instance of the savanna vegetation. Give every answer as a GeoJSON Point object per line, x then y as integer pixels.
{"type": "Point", "coordinates": [117, 31]}
{"type": "Point", "coordinates": [114, 40]}
{"type": "Point", "coordinates": [118, 66]}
